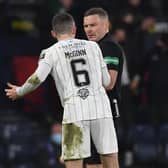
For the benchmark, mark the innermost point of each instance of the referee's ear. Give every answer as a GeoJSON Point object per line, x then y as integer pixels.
{"type": "Point", "coordinates": [53, 34]}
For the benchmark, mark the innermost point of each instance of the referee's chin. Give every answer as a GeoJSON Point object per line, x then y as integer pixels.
{"type": "Point", "coordinates": [92, 38]}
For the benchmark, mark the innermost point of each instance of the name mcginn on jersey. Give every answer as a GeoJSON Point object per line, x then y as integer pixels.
{"type": "Point", "coordinates": [75, 53]}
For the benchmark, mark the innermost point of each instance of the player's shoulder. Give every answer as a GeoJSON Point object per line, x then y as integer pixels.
{"type": "Point", "coordinates": [91, 43]}
{"type": "Point", "coordinates": [47, 51]}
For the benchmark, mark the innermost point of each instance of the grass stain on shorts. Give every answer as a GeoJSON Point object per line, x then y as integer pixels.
{"type": "Point", "coordinates": [73, 138]}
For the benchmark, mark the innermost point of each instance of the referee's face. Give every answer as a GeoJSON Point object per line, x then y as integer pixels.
{"type": "Point", "coordinates": [95, 27]}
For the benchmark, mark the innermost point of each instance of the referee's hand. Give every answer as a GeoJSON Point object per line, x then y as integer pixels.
{"type": "Point", "coordinates": [11, 92]}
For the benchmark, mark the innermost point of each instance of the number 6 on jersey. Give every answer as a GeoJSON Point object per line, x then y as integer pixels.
{"type": "Point", "coordinates": [78, 73]}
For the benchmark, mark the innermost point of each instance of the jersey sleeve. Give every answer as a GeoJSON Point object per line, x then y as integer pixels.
{"type": "Point", "coordinates": [46, 58]}
{"type": "Point", "coordinates": [102, 61]}
{"type": "Point", "coordinates": [105, 75]}
{"type": "Point", "coordinates": [44, 68]}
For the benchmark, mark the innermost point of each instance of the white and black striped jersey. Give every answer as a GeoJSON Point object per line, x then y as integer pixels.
{"type": "Point", "coordinates": [79, 72]}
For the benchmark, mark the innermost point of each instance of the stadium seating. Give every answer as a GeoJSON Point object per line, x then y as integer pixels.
{"type": "Point", "coordinates": [163, 133]}
{"type": "Point", "coordinates": [3, 154]}
{"type": "Point", "coordinates": [21, 152]}
{"type": "Point", "coordinates": [163, 141]}
{"type": "Point", "coordinates": [1, 133]}
{"type": "Point", "coordinates": [18, 133]}
{"type": "Point", "coordinates": [143, 142]}
{"type": "Point", "coordinates": [19, 137]}
{"type": "Point", "coordinates": [25, 165]}
{"type": "Point", "coordinates": [2, 166]}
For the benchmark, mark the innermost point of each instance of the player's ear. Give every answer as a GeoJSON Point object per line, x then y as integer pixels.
{"type": "Point", "coordinates": [53, 34]}
{"type": "Point", "coordinates": [74, 30]}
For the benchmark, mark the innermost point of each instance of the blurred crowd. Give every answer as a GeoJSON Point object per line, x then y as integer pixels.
{"type": "Point", "coordinates": [139, 26]}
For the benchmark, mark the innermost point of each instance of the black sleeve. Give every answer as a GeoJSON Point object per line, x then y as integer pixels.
{"type": "Point", "coordinates": [112, 54]}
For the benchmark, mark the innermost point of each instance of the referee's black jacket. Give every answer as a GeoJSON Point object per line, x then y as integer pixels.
{"type": "Point", "coordinates": [113, 56]}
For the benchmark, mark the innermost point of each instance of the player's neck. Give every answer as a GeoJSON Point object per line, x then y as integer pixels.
{"type": "Point", "coordinates": [65, 37]}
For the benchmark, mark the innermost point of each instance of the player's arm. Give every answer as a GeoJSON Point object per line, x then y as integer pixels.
{"type": "Point", "coordinates": [14, 92]}
{"type": "Point", "coordinates": [106, 77]}
{"type": "Point", "coordinates": [113, 76]}
{"type": "Point", "coordinates": [106, 80]}
{"type": "Point", "coordinates": [44, 67]}
{"type": "Point", "coordinates": [34, 80]}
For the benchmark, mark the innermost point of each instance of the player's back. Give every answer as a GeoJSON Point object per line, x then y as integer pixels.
{"type": "Point", "coordinates": [77, 71]}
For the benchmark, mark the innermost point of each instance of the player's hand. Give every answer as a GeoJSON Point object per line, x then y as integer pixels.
{"type": "Point", "coordinates": [11, 92]}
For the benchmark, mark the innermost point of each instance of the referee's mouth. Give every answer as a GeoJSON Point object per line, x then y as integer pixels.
{"type": "Point", "coordinates": [90, 37]}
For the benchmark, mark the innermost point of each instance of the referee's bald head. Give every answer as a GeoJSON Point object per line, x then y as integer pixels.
{"type": "Point", "coordinates": [62, 23]}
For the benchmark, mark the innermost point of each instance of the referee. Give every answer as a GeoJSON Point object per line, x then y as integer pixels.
{"type": "Point", "coordinates": [96, 27]}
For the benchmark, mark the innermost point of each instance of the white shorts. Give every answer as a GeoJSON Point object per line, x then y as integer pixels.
{"type": "Point", "coordinates": [76, 138]}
